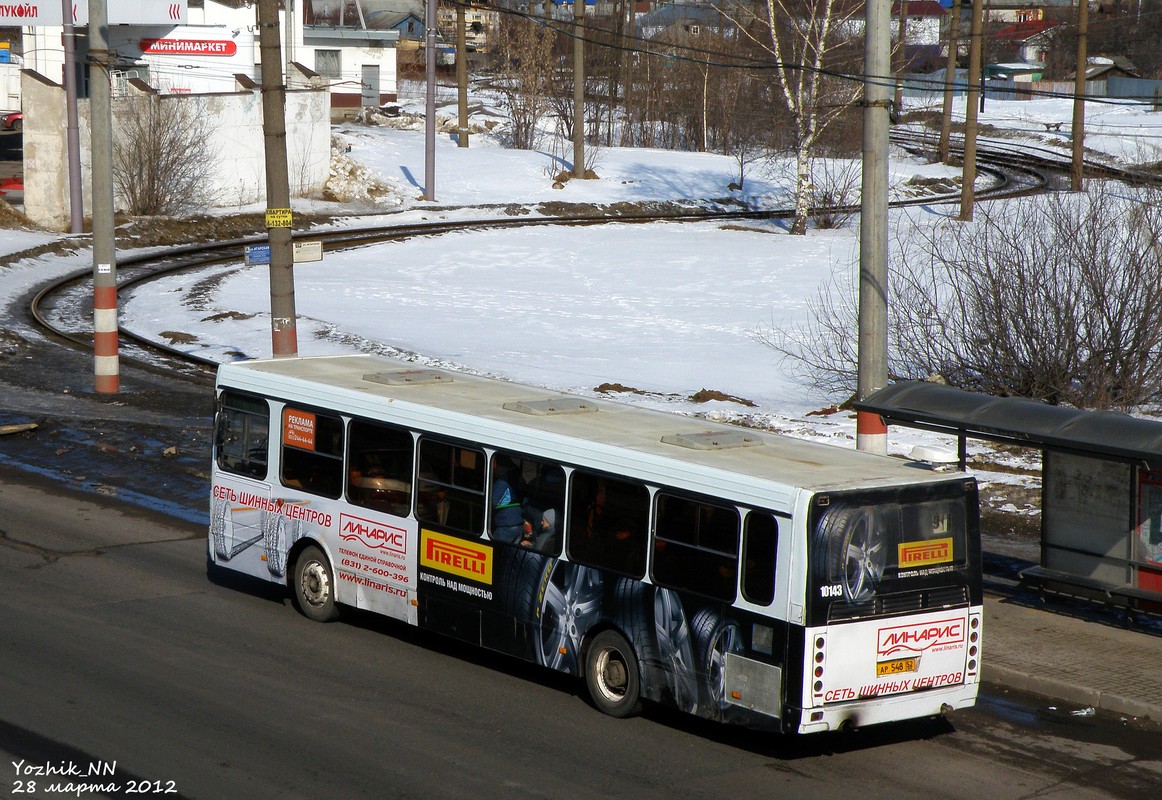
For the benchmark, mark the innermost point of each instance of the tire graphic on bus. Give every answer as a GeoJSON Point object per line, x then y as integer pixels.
{"type": "Point", "coordinates": [222, 530]}
{"type": "Point", "coordinates": [219, 519]}
{"type": "Point", "coordinates": [276, 542]}
{"type": "Point", "coordinates": [713, 639]}
{"type": "Point", "coordinates": [675, 649]}
{"type": "Point", "coordinates": [569, 601]}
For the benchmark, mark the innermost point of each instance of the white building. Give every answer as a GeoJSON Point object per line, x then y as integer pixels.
{"type": "Point", "coordinates": [346, 43]}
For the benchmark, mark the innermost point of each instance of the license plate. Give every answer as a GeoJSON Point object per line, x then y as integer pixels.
{"type": "Point", "coordinates": [897, 667]}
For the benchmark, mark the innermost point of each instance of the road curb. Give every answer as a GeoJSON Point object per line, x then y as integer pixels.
{"type": "Point", "coordinates": [1066, 692]}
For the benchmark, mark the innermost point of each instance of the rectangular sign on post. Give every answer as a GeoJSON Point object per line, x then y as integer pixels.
{"type": "Point", "coordinates": [44, 13]}
{"type": "Point", "coordinates": [307, 251]}
{"type": "Point", "coordinates": [257, 254]}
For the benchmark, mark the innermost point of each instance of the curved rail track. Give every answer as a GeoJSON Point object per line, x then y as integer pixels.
{"type": "Point", "coordinates": [63, 307]}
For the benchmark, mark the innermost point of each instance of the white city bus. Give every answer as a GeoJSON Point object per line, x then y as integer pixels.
{"type": "Point", "coordinates": [735, 574]}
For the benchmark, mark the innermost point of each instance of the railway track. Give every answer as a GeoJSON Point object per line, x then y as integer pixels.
{"type": "Point", "coordinates": [63, 307]}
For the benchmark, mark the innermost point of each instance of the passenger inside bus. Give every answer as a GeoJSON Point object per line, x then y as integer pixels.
{"type": "Point", "coordinates": [541, 534]}
{"type": "Point", "coordinates": [507, 501]}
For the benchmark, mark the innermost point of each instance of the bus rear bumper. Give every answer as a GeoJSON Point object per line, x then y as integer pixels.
{"type": "Point", "coordinates": [895, 708]}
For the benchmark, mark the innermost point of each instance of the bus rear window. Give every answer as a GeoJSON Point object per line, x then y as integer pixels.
{"type": "Point", "coordinates": [857, 547]}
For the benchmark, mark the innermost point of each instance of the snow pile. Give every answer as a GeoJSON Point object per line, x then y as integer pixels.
{"type": "Point", "coordinates": [353, 182]}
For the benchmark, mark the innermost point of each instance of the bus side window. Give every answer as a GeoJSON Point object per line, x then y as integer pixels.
{"type": "Point", "coordinates": [527, 500]}
{"type": "Point", "coordinates": [379, 468]}
{"type": "Point", "coordinates": [312, 452]}
{"type": "Point", "coordinates": [608, 523]}
{"type": "Point", "coordinates": [450, 491]}
{"type": "Point", "coordinates": [760, 536]}
{"type": "Point", "coordinates": [241, 437]}
{"type": "Point", "coordinates": [696, 546]}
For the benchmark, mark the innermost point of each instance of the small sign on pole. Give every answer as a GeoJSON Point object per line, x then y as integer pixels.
{"type": "Point", "coordinates": [307, 251]}
{"type": "Point", "coordinates": [279, 218]}
{"type": "Point", "coordinates": [257, 254]}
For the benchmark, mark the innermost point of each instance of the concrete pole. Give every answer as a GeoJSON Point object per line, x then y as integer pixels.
{"type": "Point", "coordinates": [289, 35]}
{"type": "Point", "coordinates": [106, 364]}
{"type": "Point", "coordinates": [872, 369]}
{"type": "Point", "coordinates": [578, 89]}
{"type": "Point", "coordinates": [462, 75]}
{"type": "Point", "coordinates": [72, 124]}
{"type": "Point", "coordinates": [968, 172]}
{"type": "Point", "coordinates": [945, 149]}
{"type": "Point", "coordinates": [1076, 173]}
{"type": "Point", "coordinates": [283, 318]}
{"type": "Point", "coordinates": [901, 39]}
{"type": "Point", "coordinates": [984, 51]}
{"type": "Point", "coordinates": [430, 103]}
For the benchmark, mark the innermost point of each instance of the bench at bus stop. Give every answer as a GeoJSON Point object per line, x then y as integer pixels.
{"type": "Point", "coordinates": [1129, 598]}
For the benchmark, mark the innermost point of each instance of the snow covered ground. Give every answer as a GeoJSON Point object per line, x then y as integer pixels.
{"type": "Point", "coordinates": [663, 309]}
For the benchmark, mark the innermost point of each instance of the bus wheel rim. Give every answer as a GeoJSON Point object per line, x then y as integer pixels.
{"type": "Point", "coordinates": [316, 584]}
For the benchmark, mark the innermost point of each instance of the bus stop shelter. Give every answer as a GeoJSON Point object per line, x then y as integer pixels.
{"type": "Point", "coordinates": [1101, 489]}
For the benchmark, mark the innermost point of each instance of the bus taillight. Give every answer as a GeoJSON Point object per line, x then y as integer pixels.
{"type": "Point", "coordinates": [817, 686]}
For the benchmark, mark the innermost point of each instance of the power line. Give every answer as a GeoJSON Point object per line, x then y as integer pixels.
{"type": "Point", "coordinates": [732, 61]}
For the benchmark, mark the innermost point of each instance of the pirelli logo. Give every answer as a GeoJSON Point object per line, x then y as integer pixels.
{"type": "Point", "coordinates": [452, 556]}
{"type": "Point", "coordinates": [922, 554]}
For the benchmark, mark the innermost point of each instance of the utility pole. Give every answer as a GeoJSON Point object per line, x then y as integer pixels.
{"type": "Point", "coordinates": [1078, 134]}
{"type": "Point", "coordinates": [283, 319]}
{"type": "Point", "coordinates": [872, 369]}
{"type": "Point", "coordinates": [968, 171]}
{"type": "Point", "coordinates": [578, 89]}
{"type": "Point", "coordinates": [945, 149]}
{"type": "Point", "coordinates": [289, 35]}
{"type": "Point", "coordinates": [430, 102]}
{"type": "Point", "coordinates": [72, 123]}
{"type": "Point", "coordinates": [106, 364]}
{"type": "Point", "coordinates": [984, 51]}
{"type": "Point", "coordinates": [462, 73]}
{"type": "Point", "coordinates": [901, 37]}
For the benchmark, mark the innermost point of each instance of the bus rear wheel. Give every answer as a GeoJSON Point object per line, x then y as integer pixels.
{"type": "Point", "coordinates": [314, 585]}
{"type": "Point", "coordinates": [611, 675]}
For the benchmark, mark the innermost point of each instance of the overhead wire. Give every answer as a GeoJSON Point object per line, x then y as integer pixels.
{"type": "Point", "coordinates": [724, 60]}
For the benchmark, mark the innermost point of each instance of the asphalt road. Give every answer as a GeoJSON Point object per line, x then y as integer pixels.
{"type": "Point", "coordinates": [116, 651]}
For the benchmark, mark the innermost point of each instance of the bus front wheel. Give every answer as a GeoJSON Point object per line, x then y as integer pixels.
{"type": "Point", "coordinates": [314, 585]}
{"type": "Point", "coordinates": [611, 675]}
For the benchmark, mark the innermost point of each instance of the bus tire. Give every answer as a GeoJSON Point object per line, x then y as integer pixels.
{"type": "Point", "coordinates": [314, 585]}
{"type": "Point", "coordinates": [611, 675]}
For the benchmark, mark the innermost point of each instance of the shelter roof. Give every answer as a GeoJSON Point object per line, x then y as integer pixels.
{"type": "Point", "coordinates": [1017, 420]}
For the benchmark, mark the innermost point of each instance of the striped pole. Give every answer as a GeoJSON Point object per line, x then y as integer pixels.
{"type": "Point", "coordinates": [106, 367]}
{"type": "Point", "coordinates": [871, 434]}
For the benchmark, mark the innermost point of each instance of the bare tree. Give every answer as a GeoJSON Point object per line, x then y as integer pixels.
{"type": "Point", "coordinates": [162, 160]}
{"type": "Point", "coordinates": [523, 50]}
{"type": "Point", "coordinates": [835, 188]}
{"type": "Point", "coordinates": [1072, 314]}
{"type": "Point", "coordinates": [806, 41]}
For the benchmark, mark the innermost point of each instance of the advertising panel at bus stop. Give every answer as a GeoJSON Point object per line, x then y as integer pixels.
{"type": "Point", "coordinates": [44, 13]}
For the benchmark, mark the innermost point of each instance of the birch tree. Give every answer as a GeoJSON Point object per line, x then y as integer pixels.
{"type": "Point", "coordinates": [809, 43]}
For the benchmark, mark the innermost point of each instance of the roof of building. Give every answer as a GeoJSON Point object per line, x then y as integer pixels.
{"type": "Point", "coordinates": [1023, 31]}
{"type": "Point", "coordinates": [920, 8]}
